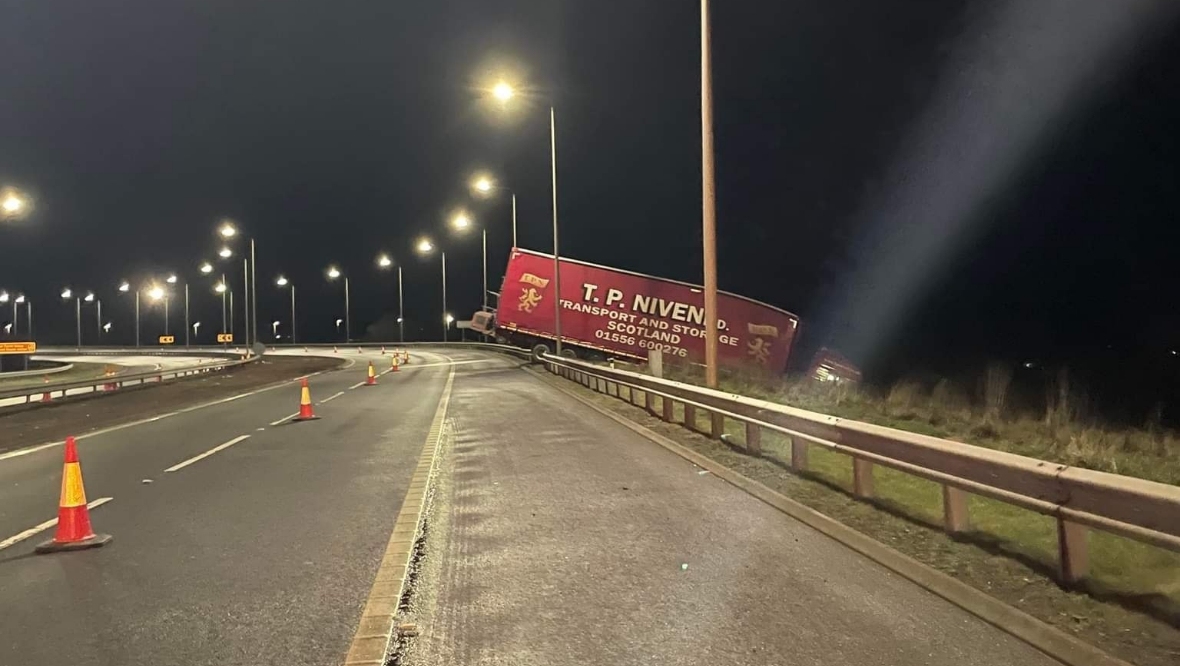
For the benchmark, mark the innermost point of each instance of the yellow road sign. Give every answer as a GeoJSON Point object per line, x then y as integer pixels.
{"type": "Point", "coordinates": [225, 337]}
{"type": "Point", "coordinates": [167, 339]}
{"type": "Point", "coordinates": [18, 347]}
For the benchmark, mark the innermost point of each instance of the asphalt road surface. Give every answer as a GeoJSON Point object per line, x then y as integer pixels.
{"type": "Point", "coordinates": [557, 536]}
{"type": "Point", "coordinates": [262, 552]}
{"type": "Point", "coordinates": [560, 537]}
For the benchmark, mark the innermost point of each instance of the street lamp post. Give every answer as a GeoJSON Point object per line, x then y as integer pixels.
{"type": "Point", "coordinates": [384, 262]}
{"type": "Point", "coordinates": [250, 285]}
{"type": "Point", "coordinates": [282, 282]}
{"type": "Point", "coordinates": [484, 186]}
{"type": "Point", "coordinates": [66, 295]}
{"type": "Point", "coordinates": [425, 247]}
{"type": "Point", "coordinates": [334, 273]}
{"type": "Point", "coordinates": [709, 200]}
{"type": "Point", "coordinates": [504, 92]}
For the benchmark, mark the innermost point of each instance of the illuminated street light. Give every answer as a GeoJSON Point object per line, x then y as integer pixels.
{"type": "Point", "coordinates": [274, 328]}
{"type": "Point", "coordinates": [206, 268]}
{"type": "Point", "coordinates": [66, 293]}
{"type": "Point", "coordinates": [503, 91]}
{"type": "Point", "coordinates": [384, 263]}
{"type": "Point", "coordinates": [219, 288]}
{"type": "Point", "coordinates": [155, 293]}
{"type": "Point", "coordinates": [282, 282]}
{"type": "Point", "coordinates": [171, 279]}
{"type": "Point", "coordinates": [125, 287]}
{"type": "Point", "coordinates": [461, 221]}
{"type": "Point", "coordinates": [20, 298]}
{"type": "Point", "coordinates": [196, 327]}
{"type": "Point", "coordinates": [225, 253]}
{"type": "Point", "coordinates": [106, 328]}
{"type": "Point", "coordinates": [13, 204]}
{"type": "Point", "coordinates": [3, 296]}
{"type": "Point", "coordinates": [450, 320]}
{"type": "Point", "coordinates": [228, 230]}
{"type": "Point", "coordinates": [482, 184]}
{"type": "Point", "coordinates": [89, 297]}
{"type": "Point", "coordinates": [424, 246]}
{"type": "Point", "coordinates": [334, 273]}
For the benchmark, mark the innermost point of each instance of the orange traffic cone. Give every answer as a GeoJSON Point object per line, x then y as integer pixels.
{"type": "Point", "coordinates": [45, 397]}
{"type": "Point", "coordinates": [371, 380]}
{"type": "Point", "coordinates": [73, 516]}
{"type": "Point", "coordinates": [393, 364]}
{"type": "Point", "coordinates": [305, 413]}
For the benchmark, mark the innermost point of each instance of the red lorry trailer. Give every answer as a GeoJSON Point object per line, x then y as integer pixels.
{"type": "Point", "coordinates": [621, 313]}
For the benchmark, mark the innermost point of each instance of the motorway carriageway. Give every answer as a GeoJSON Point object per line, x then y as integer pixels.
{"type": "Point", "coordinates": [557, 536]}
{"type": "Point", "coordinates": [259, 546]}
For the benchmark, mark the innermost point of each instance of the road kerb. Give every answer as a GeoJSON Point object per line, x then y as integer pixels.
{"type": "Point", "coordinates": [370, 643]}
{"type": "Point", "coordinates": [1044, 637]}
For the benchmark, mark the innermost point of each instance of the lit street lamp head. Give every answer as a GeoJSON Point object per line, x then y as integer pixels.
{"type": "Point", "coordinates": [282, 281]}
{"type": "Point", "coordinates": [66, 293]}
{"type": "Point", "coordinates": [155, 293]}
{"type": "Point", "coordinates": [225, 253]}
{"type": "Point", "coordinates": [3, 296]}
{"type": "Point", "coordinates": [482, 185]}
{"type": "Point", "coordinates": [461, 221]}
{"type": "Point", "coordinates": [333, 272]}
{"type": "Point", "coordinates": [220, 288]}
{"type": "Point", "coordinates": [13, 204]}
{"type": "Point", "coordinates": [89, 297]}
{"type": "Point", "coordinates": [125, 287]}
{"type": "Point", "coordinates": [228, 230]}
{"type": "Point", "coordinates": [424, 246]}
{"type": "Point", "coordinates": [503, 92]}
{"type": "Point", "coordinates": [20, 299]}
{"type": "Point", "coordinates": [384, 261]}
{"type": "Point", "coordinates": [171, 279]}
{"type": "Point", "coordinates": [450, 320]}
{"type": "Point", "coordinates": [206, 268]}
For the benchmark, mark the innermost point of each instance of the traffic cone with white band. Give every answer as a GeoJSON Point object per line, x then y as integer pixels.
{"type": "Point", "coordinates": [371, 380]}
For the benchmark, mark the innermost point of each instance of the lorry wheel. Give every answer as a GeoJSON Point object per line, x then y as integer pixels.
{"type": "Point", "coordinates": [539, 351]}
{"type": "Point", "coordinates": [568, 353]}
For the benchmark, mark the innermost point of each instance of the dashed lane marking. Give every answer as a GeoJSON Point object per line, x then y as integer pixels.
{"type": "Point", "coordinates": [332, 397]}
{"type": "Point", "coordinates": [206, 454]}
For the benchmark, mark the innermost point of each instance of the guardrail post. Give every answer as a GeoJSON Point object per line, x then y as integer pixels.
{"type": "Point", "coordinates": [753, 439]}
{"type": "Point", "coordinates": [798, 455]}
{"type": "Point", "coordinates": [649, 402]}
{"type": "Point", "coordinates": [668, 408]}
{"type": "Point", "coordinates": [955, 516]}
{"type": "Point", "coordinates": [862, 478]}
{"type": "Point", "coordinates": [1072, 551]}
{"type": "Point", "coordinates": [690, 416]}
{"type": "Point", "coordinates": [716, 425]}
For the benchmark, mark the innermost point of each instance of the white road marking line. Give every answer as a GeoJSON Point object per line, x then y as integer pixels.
{"type": "Point", "coordinates": [284, 419]}
{"type": "Point", "coordinates": [13, 540]}
{"type": "Point", "coordinates": [329, 399]}
{"type": "Point", "coordinates": [413, 366]}
{"type": "Point", "coordinates": [259, 429]}
{"type": "Point", "coordinates": [356, 385]}
{"type": "Point", "coordinates": [206, 454]}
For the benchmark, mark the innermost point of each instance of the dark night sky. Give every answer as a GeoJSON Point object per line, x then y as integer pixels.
{"type": "Point", "coordinates": [331, 131]}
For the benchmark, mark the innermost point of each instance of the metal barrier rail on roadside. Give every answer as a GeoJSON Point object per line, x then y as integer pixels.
{"type": "Point", "coordinates": [1076, 498]}
{"type": "Point", "coordinates": [81, 387]}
